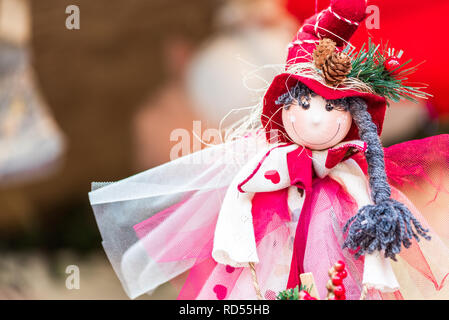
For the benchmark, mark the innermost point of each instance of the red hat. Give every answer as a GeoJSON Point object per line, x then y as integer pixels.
{"type": "Point", "coordinates": [338, 22]}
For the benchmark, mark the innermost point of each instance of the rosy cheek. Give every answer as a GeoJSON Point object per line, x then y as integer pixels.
{"type": "Point", "coordinates": [302, 116]}
{"type": "Point", "coordinates": [345, 122]}
{"type": "Point", "coordinates": [341, 120]}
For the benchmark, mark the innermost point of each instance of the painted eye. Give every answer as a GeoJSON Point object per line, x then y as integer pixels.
{"type": "Point", "coordinates": [329, 107]}
{"type": "Point", "coordinates": [305, 105]}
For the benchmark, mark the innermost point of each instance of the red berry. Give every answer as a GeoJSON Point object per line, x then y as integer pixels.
{"type": "Point", "coordinates": [342, 297]}
{"type": "Point", "coordinates": [343, 274]}
{"type": "Point", "coordinates": [391, 64]}
{"type": "Point", "coordinates": [339, 290]}
{"type": "Point", "coordinates": [339, 266]}
{"type": "Point", "coordinates": [303, 295]}
{"type": "Point", "coordinates": [337, 280]}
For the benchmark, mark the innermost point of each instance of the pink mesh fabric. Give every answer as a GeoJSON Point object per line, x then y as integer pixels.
{"type": "Point", "coordinates": [179, 236]}
{"type": "Point", "coordinates": [418, 163]}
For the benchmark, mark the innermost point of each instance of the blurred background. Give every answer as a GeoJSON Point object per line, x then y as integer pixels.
{"type": "Point", "coordinates": [99, 104]}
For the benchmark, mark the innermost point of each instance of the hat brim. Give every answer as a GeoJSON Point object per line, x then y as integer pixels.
{"type": "Point", "coordinates": [272, 114]}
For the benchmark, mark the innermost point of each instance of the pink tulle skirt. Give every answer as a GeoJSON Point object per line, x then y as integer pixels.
{"type": "Point", "coordinates": [179, 238]}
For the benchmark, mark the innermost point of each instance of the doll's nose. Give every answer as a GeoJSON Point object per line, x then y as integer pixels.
{"type": "Point", "coordinates": [316, 119]}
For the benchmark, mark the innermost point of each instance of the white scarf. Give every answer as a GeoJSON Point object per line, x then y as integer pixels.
{"type": "Point", "coordinates": [234, 240]}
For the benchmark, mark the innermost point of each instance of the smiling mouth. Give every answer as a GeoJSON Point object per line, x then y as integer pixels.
{"type": "Point", "coordinates": [317, 144]}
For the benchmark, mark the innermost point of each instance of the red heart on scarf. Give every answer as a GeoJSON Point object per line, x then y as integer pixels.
{"type": "Point", "coordinates": [229, 269]}
{"type": "Point", "coordinates": [273, 175]}
{"type": "Point", "coordinates": [220, 291]}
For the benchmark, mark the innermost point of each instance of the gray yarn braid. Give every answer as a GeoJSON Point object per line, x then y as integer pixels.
{"type": "Point", "coordinates": [387, 224]}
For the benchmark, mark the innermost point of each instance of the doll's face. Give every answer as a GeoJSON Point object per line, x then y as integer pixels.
{"type": "Point", "coordinates": [316, 124]}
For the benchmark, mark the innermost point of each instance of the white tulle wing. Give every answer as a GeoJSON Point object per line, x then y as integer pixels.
{"type": "Point", "coordinates": [159, 223]}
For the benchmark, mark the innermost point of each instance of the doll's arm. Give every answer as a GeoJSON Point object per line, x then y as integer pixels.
{"type": "Point", "coordinates": [234, 240]}
{"type": "Point", "coordinates": [266, 172]}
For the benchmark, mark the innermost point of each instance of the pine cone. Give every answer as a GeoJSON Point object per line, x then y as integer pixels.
{"type": "Point", "coordinates": [323, 51]}
{"type": "Point", "coordinates": [336, 68]}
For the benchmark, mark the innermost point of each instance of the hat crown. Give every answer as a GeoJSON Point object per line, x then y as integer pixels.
{"type": "Point", "coordinates": [337, 22]}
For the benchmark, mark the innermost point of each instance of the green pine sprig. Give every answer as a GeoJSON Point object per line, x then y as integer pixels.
{"type": "Point", "coordinates": [292, 294]}
{"type": "Point", "coordinates": [368, 67]}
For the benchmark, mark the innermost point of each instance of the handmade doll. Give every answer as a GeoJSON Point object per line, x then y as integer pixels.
{"type": "Point", "coordinates": [306, 186]}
